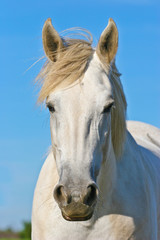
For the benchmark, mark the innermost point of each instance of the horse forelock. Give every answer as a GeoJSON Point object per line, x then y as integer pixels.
{"type": "Point", "coordinates": [71, 64]}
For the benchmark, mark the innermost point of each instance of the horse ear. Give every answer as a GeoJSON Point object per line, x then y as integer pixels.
{"type": "Point", "coordinates": [52, 42]}
{"type": "Point", "coordinates": [108, 42]}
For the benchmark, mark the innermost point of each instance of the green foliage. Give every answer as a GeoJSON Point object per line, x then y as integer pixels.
{"type": "Point", "coordinates": [10, 234]}
{"type": "Point", "coordinates": [26, 232]}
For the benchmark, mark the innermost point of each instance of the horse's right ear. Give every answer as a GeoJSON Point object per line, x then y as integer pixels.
{"type": "Point", "coordinates": [52, 42]}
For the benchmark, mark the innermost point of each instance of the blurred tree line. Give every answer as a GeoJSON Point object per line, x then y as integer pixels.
{"type": "Point", "coordinates": [26, 231]}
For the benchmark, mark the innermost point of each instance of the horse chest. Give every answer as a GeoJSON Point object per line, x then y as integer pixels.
{"type": "Point", "coordinates": [119, 227]}
{"type": "Point", "coordinates": [112, 227]}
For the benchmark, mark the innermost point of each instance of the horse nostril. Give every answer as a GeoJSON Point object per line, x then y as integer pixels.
{"type": "Point", "coordinates": [91, 196]}
{"type": "Point", "coordinates": [60, 195]}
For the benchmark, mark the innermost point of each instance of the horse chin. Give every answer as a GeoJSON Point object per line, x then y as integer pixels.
{"type": "Point", "coordinates": [77, 212]}
{"type": "Point", "coordinates": [77, 218]}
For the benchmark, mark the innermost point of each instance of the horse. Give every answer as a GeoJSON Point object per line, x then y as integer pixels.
{"type": "Point", "coordinates": [101, 178]}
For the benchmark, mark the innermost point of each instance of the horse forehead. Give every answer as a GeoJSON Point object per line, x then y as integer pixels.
{"type": "Point", "coordinates": [85, 94]}
{"type": "Point", "coordinates": [94, 87]}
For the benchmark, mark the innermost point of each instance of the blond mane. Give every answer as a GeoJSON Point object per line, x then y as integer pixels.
{"type": "Point", "coordinates": [118, 114]}
{"type": "Point", "coordinates": [71, 64]}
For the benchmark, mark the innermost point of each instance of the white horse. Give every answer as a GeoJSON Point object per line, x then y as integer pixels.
{"type": "Point", "coordinates": [100, 181]}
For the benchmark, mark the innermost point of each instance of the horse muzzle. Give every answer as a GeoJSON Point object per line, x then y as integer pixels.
{"type": "Point", "coordinates": [76, 205]}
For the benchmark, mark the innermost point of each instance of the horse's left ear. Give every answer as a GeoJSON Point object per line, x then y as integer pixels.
{"type": "Point", "coordinates": [108, 42]}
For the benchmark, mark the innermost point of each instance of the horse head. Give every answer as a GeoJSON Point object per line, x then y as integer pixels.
{"type": "Point", "coordinates": [81, 97]}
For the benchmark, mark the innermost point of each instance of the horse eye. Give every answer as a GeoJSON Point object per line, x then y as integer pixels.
{"type": "Point", "coordinates": [51, 108]}
{"type": "Point", "coordinates": [107, 108]}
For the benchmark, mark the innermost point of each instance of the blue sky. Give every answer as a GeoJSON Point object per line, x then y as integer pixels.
{"type": "Point", "coordinates": [24, 127]}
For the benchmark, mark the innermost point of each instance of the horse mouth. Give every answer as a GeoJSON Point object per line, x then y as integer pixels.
{"type": "Point", "coordinates": [77, 212]}
{"type": "Point", "coordinates": [77, 218]}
